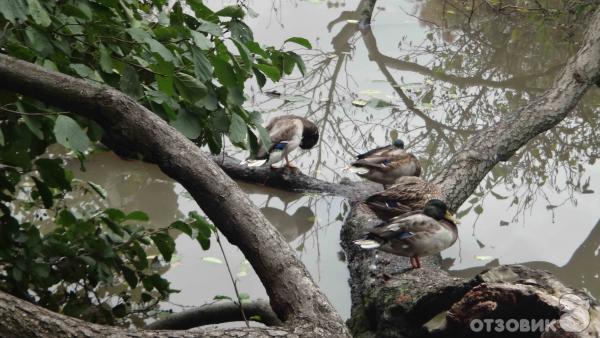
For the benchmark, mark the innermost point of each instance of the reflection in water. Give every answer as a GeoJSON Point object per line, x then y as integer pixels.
{"type": "Point", "coordinates": [290, 226]}
{"type": "Point", "coordinates": [433, 83]}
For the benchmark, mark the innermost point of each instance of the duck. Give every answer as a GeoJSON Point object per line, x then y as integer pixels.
{"type": "Point", "coordinates": [386, 164]}
{"type": "Point", "coordinates": [414, 234]}
{"type": "Point", "coordinates": [286, 133]}
{"type": "Point", "coordinates": [407, 194]}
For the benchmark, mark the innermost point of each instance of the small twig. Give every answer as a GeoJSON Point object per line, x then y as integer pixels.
{"type": "Point", "coordinates": [237, 294]}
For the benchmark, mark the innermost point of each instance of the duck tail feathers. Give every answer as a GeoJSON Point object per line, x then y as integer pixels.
{"type": "Point", "coordinates": [358, 170]}
{"type": "Point", "coordinates": [254, 163]}
{"type": "Point", "coordinates": [367, 243]}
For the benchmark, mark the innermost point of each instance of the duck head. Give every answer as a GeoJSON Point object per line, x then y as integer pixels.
{"type": "Point", "coordinates": [398, 143]}
{"type": "Point", "coordinates": [310, 135]}
{"type": "Point", "coordinates": [438, 210]}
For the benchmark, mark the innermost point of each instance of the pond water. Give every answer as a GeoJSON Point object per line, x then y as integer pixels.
{"type": "Point", "coordinates": [427, 79]}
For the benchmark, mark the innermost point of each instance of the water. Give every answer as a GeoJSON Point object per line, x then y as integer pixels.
{"type": "Point", "coordinates": [536, 209]}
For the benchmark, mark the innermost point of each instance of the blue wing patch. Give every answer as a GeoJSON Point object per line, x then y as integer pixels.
{"type": "Point", "coordinates": [386, 162]}
{"type": "Point", "coordinates": [404, 234]}
{"type": "Point", "coordinates": [280, 145]}
{"type": "Point", "coordinates": [391, 204]}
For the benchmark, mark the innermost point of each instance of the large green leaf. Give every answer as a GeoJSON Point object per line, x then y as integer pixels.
{"type": "Point", "coordinates": [53, 173]}
{"type": "Point", "coordinates": [68, 133]}
{"type": "Point", "coordinates": [270, 71]}
{"type": "Point", "coordinates": [165, 244]}
{"type": "Point", "coordinates": [202, 67]}
{"type": "Point", "coordinates": [39, 14]}
{"type": "Point", "coordinates": [232, 11]}
{"type": "Point", "coordinates": [237, 129]}
{"type": "Point", "coordinates": [14, 10]}
{"type": "Point", "coordinates": [189, 87]}
{"type": "Point", "coordinates": [301, 41]}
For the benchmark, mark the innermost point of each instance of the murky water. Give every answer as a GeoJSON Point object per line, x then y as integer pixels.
{"type": "Point", "coordinates": [433, 83]}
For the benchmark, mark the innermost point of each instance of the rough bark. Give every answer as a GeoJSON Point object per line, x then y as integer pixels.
{"type": "Point", "coordinates": [388, 299]}
{"type": "Point", "coordinates": [292, 292]}
{"type": "Point", "coordinates": [292, 180]}
{"type": "Point", "coordinates": [23, 319]}
{"type": "Point", "coordinates": [222, 312]}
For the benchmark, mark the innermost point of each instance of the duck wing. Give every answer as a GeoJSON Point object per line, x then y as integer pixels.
{"type": "Point", "coordinates": [374, 152]}
{"type": "Point", "coordinates": [282, 129]}
{"type": "Point", "coordinates": [404, 227]}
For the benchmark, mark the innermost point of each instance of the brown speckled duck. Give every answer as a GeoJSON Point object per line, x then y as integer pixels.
{"type": "Point", "coordinates": [408, 194]}
{"type": "Point", "coordinates": [414, 234]}
{"type": "Point", "coordinates": [287, 133]}
{"type": "Point", "coordinates": [386, 164]}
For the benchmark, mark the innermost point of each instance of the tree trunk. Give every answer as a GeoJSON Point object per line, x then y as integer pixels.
{"type": "Point", "coordinates": [398, 306]}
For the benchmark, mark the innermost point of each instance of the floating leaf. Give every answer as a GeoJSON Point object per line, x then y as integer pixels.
{"type": "Point", "coordinates": [213, 260]}
{"type": "Point", "coordinates": [359, 103]}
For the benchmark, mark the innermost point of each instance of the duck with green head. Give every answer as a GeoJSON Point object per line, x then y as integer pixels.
{"type": "Point", "coordinates": [414, 234]}
{"type": "Point", "coordinates": [386, 164]}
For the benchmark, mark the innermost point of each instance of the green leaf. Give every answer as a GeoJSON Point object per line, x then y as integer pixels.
{"type": "Point", "coordinates": [237, 129]}
{"type": "Point", "coordinates": [221, 297]}
{"type": "Point", "coordinates": [182, 226]}
{"type": "Point", "coordinates": [39, 42]}
{"type": "Point", "coordinates": [244, 54]}
{"type": "Point", "coordinates": [44, 192]}
{"type": "Point", "coordinates": [14, 10]}
{"type": "Point", "coordinates": [66, 218]}
{"type": "Point", "coordinates": [187, 124]}
{"type": "Point", "coordinates": [2, 142]}
{"type": "Point", "coordinates": [138, 34]}
{"type": "Point", "coordinates": [189, 87]}
{"type": "Point", "coordinates": [210, 28]}
{"type": "Point", "coordinates": [202, 67]}
{"type": "Point", "coordinates": [261, 80]}
{"type": "Point", "coordinates": [53, 174]}
{"type": "Point", "coordinates": [232, 11]}
{"type": "Point", "coordinates": [299, 62]}
{"type": "Point", "coordinates": [32, 122]}
{"type": "Point", "coordinates": [70, 134]}
{"type": "Point", "coordinates": [130, 82]}
{"type": "Point", "coordinates": [137, 216]}
{"type": "Point", "coordinates": [301, 41]}
{"type": "Point", "coordinates": [165, 244]}
{"type": "Point", "coordinates": [115, 214]}
{"type": "Point", "coordinates": [105, 60]}
{"type": "Point", "coordinates": [39, 14]}
{"type": "Point", "coordinates": [98, 189]}
{"type": "Point", "coordinates": [264, 136]}
{"type": "Point", "coordinates": [130, 276]}
{"type": "Point", "coordinates": [120, 310]}
{"type": "Point", "coordinates": [224, 72]}
{"type": "Point", "coordinates": [113, 226]}
{"type": "Point", "coordinates": [200, 40]}
{"type": "Point", "coordinates": [160, 49]}
{"type": "Point", "coordinates": [270, 71]}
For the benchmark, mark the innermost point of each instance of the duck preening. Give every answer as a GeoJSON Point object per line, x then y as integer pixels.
{"type": "Point", "coordinates": [386, 164]}
{"type": "Point", "coordinates": [287, 133]}
{"type": "Point", "coordinates": [414, 234]}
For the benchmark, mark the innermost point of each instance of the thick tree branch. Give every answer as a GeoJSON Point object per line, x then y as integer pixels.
{"type": "Point", "coordinates": [292, 292]}
{"type": "Point", "coordinates": [292, 180]}
{"type": "Point", "coordinates": [500, 141]}
{"type": "Point", "coordinates": [216, 313]}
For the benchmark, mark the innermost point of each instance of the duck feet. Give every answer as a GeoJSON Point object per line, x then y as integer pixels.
{"type": "Point", "coordinates": [415, 263]}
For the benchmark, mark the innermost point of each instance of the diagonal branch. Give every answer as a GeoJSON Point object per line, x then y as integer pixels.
{"type": "Point", "coordinates": [292, 292]}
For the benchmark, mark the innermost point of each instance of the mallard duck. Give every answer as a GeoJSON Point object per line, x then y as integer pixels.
{"type": "Point", "coordinates": [409, 193]}
{"type": "Point", "coordinates": [386, 164]}
{"type": "Point", "coordinates": [414, 234]}
{"type": "Point", "coordinates": [287, 133]}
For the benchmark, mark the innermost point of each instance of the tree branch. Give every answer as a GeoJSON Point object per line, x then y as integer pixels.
{"type": "Point", "coordinates": [217, 313]}
{"type": "Point", "coordinates": [292, 292]}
